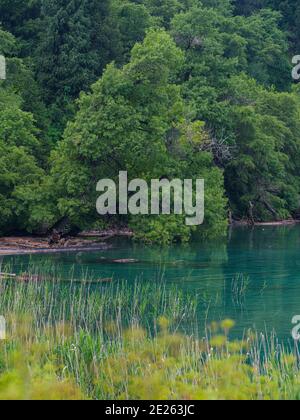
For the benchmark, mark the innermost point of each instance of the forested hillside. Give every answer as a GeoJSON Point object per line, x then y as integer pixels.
{"type": "Point", "coordinates": [160, 88]}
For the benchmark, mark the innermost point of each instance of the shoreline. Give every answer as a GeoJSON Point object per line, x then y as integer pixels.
{"type": "Point", "coordinates": [34, 245]}
{"type": "Point", "coordinates": [87, 241]}
{"type": "Point", "coordinates": [91, 240]}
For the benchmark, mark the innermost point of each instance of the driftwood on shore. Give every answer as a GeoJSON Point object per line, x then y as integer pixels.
{"type": "Point", "coordinates": [32, 245]}
{"type": "Point", "coordinates": [94, 240]}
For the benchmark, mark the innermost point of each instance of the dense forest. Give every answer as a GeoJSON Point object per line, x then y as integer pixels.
{"type": "Point", "coordinates": [160, 88]}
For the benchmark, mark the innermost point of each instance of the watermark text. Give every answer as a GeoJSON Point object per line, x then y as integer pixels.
{"type": "Point", "coordinates": [162, 196]}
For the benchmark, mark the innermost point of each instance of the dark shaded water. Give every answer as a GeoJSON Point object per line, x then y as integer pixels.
{"type": "Point", "coordinates": [253, 277]}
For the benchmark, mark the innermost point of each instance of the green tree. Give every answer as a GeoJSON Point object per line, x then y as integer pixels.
{"type": "Point", "coordinates": [263, 178]}
{"type": "Point", "coordinates": [128, 123]}
{"type": "Point", "coordinates": [219, 46]}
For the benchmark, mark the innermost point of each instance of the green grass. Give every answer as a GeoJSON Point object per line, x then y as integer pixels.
{"type": "Point", "coordinates": [116, 341]}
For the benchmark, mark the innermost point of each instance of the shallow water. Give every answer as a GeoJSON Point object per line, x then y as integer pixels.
{"type": "Point", "coordinates": [253, 277]}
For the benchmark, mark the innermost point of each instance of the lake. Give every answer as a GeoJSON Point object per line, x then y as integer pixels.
{"type": "Point", "coordinates": [252, 277]}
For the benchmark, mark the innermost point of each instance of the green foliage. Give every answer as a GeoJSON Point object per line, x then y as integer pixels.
{"type": "Point", "coordinates": [289, 9]}
{"type": "Point", "coordinates": [76, 42]}
{"type": "Point", "coordinates": [19, 144]}
{"type": "Point", "coordinates": [17, 14]}
{"type": "Point", "coordinates": [7, 43]}
{"type": "Point", "coordinates": [151, 72]}
{"type": "Point", "coordinates": [164, 10]}
{"type": "Point", "coordinates": [263, 178]}
{"type": "Point", "coordinates": [219, 46]}
{"type": "Point", "coordinates": [132, 19]}
{"type": "Point", "coordinates": [117, 343]}
{"type": "Point", "coordinates": [126, 124]}
{"type": "Point", "coordinates": [19, 168]}
{"type": "Point", "coordinates": [28, 378]}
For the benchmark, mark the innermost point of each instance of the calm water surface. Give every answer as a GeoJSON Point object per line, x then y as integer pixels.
{"type": "Point", "coordinates": [253, 277]}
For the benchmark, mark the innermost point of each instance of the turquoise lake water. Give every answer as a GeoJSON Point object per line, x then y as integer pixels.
{"type": "Point", "coordinates": [252, 277]}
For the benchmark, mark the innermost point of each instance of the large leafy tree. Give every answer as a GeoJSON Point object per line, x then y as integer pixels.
{"type": "Point", "coordinates": [128, 123]}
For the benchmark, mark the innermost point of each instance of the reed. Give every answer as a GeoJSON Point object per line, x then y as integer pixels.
{"type": "Point", "coordinates": [120, 341]}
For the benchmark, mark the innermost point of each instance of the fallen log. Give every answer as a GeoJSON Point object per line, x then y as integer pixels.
{"type": "Point", "coordinates": [27, 278]}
